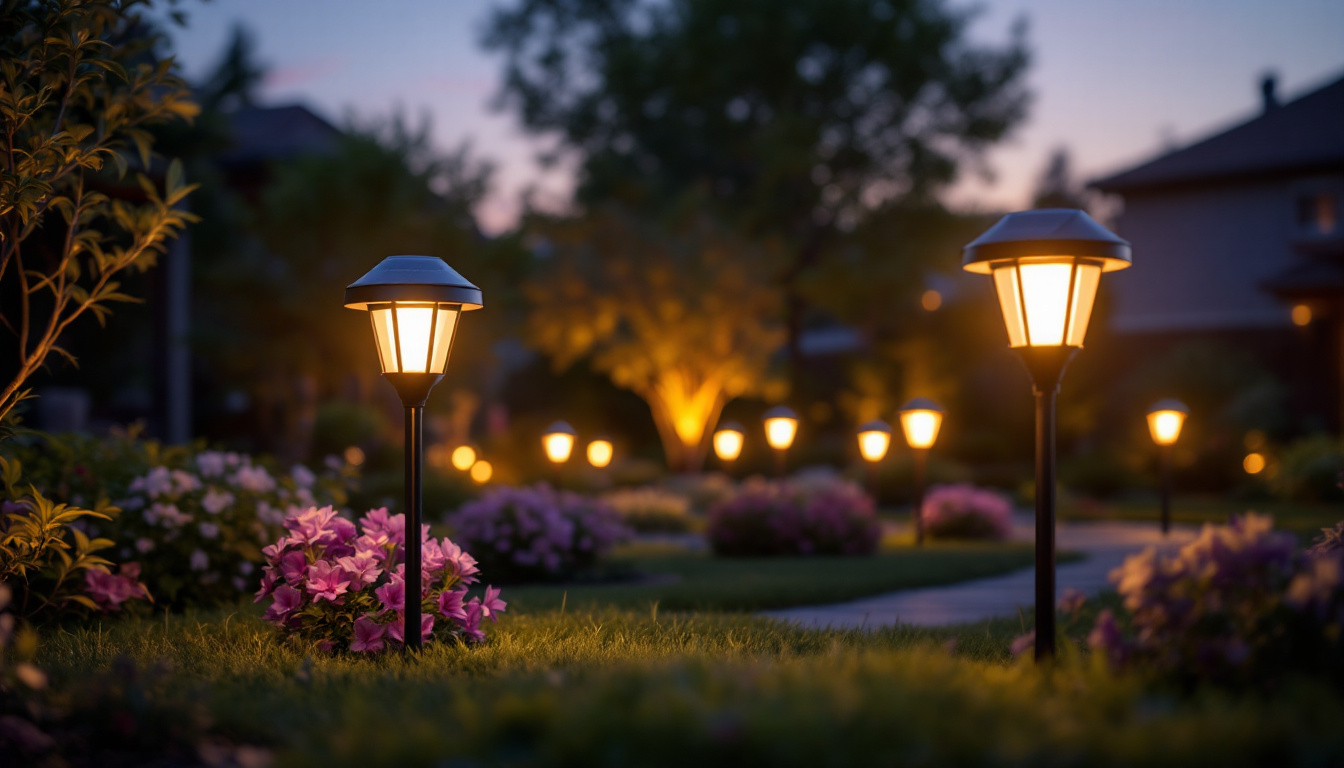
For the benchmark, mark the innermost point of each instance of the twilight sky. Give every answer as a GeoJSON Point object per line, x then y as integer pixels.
{"type": "Point", "coordinates": [1114, 80]}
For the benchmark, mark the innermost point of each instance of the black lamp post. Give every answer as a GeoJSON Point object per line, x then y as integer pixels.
{"type": "Point", "coordinates": [1165, 420]}
{"type": "Point", "coordinates": [921, 419]}
{"type": "Point", "coordinates": [414, 303]}
{"type": "Point", "coordinates": [1046, 267]}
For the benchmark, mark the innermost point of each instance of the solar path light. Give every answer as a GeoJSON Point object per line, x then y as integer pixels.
{"type": "Point", "coordinates": [781, 426]}
{"type": "Point", "coordinates": [1165, 420]}
{"type": "Point", "coordinates": [921, 419]}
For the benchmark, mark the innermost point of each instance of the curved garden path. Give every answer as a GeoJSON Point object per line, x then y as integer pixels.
{"type": "Point", "coordinates": [1104, 545]}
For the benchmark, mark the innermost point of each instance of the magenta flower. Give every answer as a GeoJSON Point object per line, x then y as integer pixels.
{"type": "Point", "coordinates": [110, 590]}
{"type": "Point", "coordinates": [268, 580]}
{"type": "Point", "coordinates": [471, 625]}
{"type": "Point", "coordinates": [450, 605]}
{"type": "Point", "coordinates": [368, 635]}
{"type": "Point", "coordinates": [326, 582]}
{"type": "Point", "coordinates": [396, 628]}
{"type": "Point", "coordinates": [492, 606]}
{"type": "Point", "coordinates": [393, 595]}
{"type": "Point", "coordinates": [362, 566]}
{"type": "Point", "coordinates": [287, 600]}
{"type": "Point", "coordinates": [293, 566]}
{"type": "Point", "coordinates": [377, 522]}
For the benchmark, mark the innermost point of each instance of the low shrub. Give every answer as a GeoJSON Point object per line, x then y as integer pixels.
{"type": "Point", "coordinates": [340, 588]}
{"type": "Point", "coordinates": [702, 490]}
{"type": "Point", "coordinates": [966, 512]}
{"type": "Point", "coordinates": [1239, 605]}
{"type": "Point", "coordinates": [196, 519]}
{"type": "Point", "coordinates": [830, 517]}
{"type": "Point", "coordinates": [651, 510]}
{"type": "Point", "coordinates": [52, 565]}
{"type": "Point", "coordinates": [537, 533]}
{"type": "Point", "coordinates": [1310, 469]}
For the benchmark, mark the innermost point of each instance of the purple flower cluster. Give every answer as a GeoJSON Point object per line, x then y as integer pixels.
{"type": "Point", "coordinates": [789, 518]}
{"type": "Point", "coordinates": [340, 586]}
{"type": "Point", "coordinates": [109, 590]}
{"type": "Point", "coordinates": [965, 512]}
{"type": "Point", "coordinates": [1237, 603]}
{"type": "Point", "coordinates": [537, 533]}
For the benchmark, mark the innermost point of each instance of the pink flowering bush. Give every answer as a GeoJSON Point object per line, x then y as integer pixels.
{"type": "Point", "coordinates": [537, 533]}
{"type": "Point", "coordinates": [965, 512]}
{"type": "Point", "coordinates": [831, 517]}
{"type": "Point", "coordinates": [343, 587]}
{"type": "Point", "coordinates": [1240, 604]}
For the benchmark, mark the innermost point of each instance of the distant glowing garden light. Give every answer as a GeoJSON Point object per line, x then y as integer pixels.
{"type": "Point", "coordinates": [781, 426]}
{"type": "Point", "coordinates": [1254, 463]}
{"type": "Point", "coordinates": [1165, 420]}
{"type": "Point", "coordinates": [463, 458]}
{"type": "Point", "coordinates": [600, 453]}
{"type": "Point", "coordinates": [414, 303]}
{"type": "Point", "coordinates": [354, 455]}
{"type": "Point", "coordinates": [921, 419]}
{"type": "Point", "coordinates": [1046, 266]}
{"type": "Point", "coordinates": [558, 442]}
{"type": "Point", "coordinates": [481, 472]}
{"type": "Point", "coordinates": [728, 441]}
{"type": "Point", "coordinates": [874, 440]}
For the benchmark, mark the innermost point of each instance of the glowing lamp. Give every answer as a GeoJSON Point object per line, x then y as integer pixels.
{"type": "Point", "coordinates": [921, 419]}
{"type": "Point", "coordinates": [1165, 420]}
{"type": "Point", "coordinates": [781, 425]}
{"type": "Point", "coordinates": [463, 457]}
{"type": "Point", "coordinates": [1046, 266]}
{"type": "Point", "coordinates": [599, 453]}
{"type": "Point", "coordinates": [481, 472]}
{"type": "Point", "coordinates": [558, 442]}
{"type": "Point", "coordinates": [874, 440]}
{"type": "Point", "coordinates": [414, 303]}
{"type": "Point", "coordinates": [728, 440]}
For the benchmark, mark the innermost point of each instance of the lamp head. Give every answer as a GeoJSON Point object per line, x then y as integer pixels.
{"type": "Point", "coordinates": [600, 452]}
{"type": "Point", "coordinates": [874, 440]}
{"type": "Point", "coordinates": [414, 303]}
{"type": "Point", "coordinates": [781, 426]}
{"type": "Point", "coordinates": [728, 440]}
{"type": "Point", "coordinates": [1165, 420]}
{"type": "Point", "coordinates": [463, 457]}
{"type": "Point", "coordinates": [1046, 266]}
{"type": "Point", "coordinates": [921, 419]}
{"type": "Point", "coordinates": [558, 442]}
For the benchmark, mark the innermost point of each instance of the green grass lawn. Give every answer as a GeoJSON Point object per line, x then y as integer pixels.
{"type": "Point", "coordinates": [1302, 519]}
{"type": "Point", "coordinates": [678, 580]}
{"type": "Point", "coordinates": [613, 688]}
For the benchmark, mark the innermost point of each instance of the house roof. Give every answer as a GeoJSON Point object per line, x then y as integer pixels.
{"type": "Point", "coordinates": [262, 134]}
{"type": "Point", "coordinates": [1304, 134]}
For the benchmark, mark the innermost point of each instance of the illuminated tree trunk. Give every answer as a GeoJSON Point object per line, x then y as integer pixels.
{"type": "Point", "coordinates": [684, 412]}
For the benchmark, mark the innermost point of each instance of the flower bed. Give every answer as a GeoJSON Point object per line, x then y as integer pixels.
{"type": "Point", "coordinates": [651, 510]}
{"type": "Point", "coordinates": [340, 588]}
{"type": "Point", "coordinates": [794, 518]}
{"type": "Point", "coordinates": [537, 533]}
{"type": "Point", "coordinates": [1239, 605]}
{"type": "Point", "coordinates": [965, 512]}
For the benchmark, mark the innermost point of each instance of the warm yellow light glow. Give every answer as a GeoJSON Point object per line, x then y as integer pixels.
{"type": "Point", "coordinates": [931, 300]}
{"type": "Point", "coordinates": [354, 455]}
{"type": "Point", "coordinates": [728, 444]}
{"type": "Point", "coordinates": [1046, 303]}
{"type": "Point", "coordinates": [780, 431]}
{"type": "Point", "coordinates": [921, 427]}
{"type": "Point", "coordinates": [1254, 463]}
{"type": "Point", "coordinates": [1165, 426]}
{"type": "Point", "coordinates": [404, 334]}
{"type": "Point", "coordinates": [481, 472]}
{"type": "Point", "coordinates": [464, 457]}
{"type": "Point", "coordinates": [873, 444]}
{"type": "Point", "coordinates": [558, 446]}
{"type": "Point", "coordinates": [1301, 315]}
{"type": "Point", "coordinates": [599, 453]}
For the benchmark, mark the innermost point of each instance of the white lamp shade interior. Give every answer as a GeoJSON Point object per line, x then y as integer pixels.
{"type": "Point", "coordinates": [1046, 303]}
{"type": "Point", "coordinates": [1165, 426]}
{"type": "Point", "coordinates": [727, 444]}
{"type": "Point", "coordinates": [414, 337]}
{"type": "Point", "coordinates": [874, 444]}
{"type": "Point", "coordinates": [921, 427]}
{"type": "Point", "coordinates": [558, 446]}
{"type": "Point", "coordinates": [779, 432]}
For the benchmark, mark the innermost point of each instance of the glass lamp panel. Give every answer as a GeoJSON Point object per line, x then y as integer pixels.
{"type": "Point", "coordinates": [728, 444]}
{"type": "Point", "coordinates": [1165, 426]}
{"type": "Point", "coordinates": [412, 329]}
{"type": "Point", "coordinates": [921, 427]}
{"type": "Point", "coordinates": [1010, 301]}
{"type": "Point", "coordinates": [1084, 296]}
{"type": "Point", "coordinates": [873, 445]}
{"type": "Point", "coordinates": [1045, 297]}
{"type": "Point", "coordinates": [558, 446]}
{"type": "Point", "coordinates": [779, 432]}
{"type": "Point", "coordinates": [383, 336]}
{"type": "Point", "coordinates": [445, 325]}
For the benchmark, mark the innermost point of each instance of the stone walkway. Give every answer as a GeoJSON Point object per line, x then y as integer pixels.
{"type": "Point", "coordinates": [1104, 545]}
